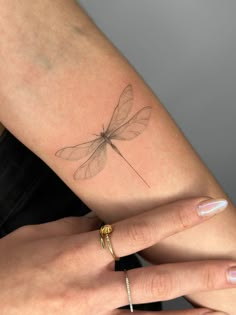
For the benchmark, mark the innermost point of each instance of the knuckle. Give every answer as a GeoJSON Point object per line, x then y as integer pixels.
{"type": "Point", "coordinates": [139, 232]}
{"type": "Point", "coordinates": [71, 221]}
{"type": "Point", "coordinates": [161, 286]}
{"type": "Point", "coordinates": [183, 217]}
{"type": "Point", "coordinates": [69, 298]}
{"type": "Point", "coordinates": [26, 229]}
{"type": "Point", "coordinates": [209, 277]}
{"type": "Point", "coordinates": [67, 255]}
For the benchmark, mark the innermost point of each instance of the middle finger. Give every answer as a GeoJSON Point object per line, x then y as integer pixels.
{"type": "Point", "coordinates": [168, 281]}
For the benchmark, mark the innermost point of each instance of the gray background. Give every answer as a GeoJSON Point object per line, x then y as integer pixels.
{"type": "Point", "coordinates": [186, 52]}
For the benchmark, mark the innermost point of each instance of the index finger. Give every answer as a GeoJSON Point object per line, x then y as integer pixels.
{"type": "Point", "coordinates": [146, 229]}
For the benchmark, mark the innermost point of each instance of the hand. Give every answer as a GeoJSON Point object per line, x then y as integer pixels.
{"type": "Point", "coordinates": [60, 267]}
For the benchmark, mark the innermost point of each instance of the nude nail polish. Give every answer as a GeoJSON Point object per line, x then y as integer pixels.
{"type": "Point", "coordinates": [211, 207]}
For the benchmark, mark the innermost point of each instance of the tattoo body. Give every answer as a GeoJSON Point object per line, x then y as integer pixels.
{"type": "Point", "coordinates": [116, 130]}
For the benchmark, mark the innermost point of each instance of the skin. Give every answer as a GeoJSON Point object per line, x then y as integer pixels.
{"type": "Point", "coordinates": [61, 267]}
{"type": "Point", "coordinates": [60, 82]}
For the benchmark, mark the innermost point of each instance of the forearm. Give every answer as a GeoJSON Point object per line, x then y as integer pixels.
{"type": "Point", "coordinates": [57, 91]}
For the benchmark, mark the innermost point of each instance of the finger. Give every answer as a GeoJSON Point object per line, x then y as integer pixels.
{"type": "Point", "coordinates": [165, 282]}
{"type": "Point", "coordinates": [144, 230]}
{"type": "Point", "coordinates": [71, 225]}
{"type": "Point", "coordinates": [62, 227]}
{"type": "Point", "coordinates": [202, 311]}
{"type": "Point", "coordinates": [151, 227]}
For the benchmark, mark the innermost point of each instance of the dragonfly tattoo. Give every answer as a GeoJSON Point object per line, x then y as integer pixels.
{"type": "Point", "coordinates": [117, 129]}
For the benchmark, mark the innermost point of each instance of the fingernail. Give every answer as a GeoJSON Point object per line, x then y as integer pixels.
{"type": "Point", "coordinates": [231, 275]}
{"type": "Point", "coordinates": [210, 207]}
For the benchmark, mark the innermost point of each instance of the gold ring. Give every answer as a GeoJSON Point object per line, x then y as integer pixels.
{"type": "Point", "coordinates": [128, 291]}
{"type": "Point", "coordinates": [104, 231]}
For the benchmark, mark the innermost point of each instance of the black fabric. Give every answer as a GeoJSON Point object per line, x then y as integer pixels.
{"type": "Point", "coordinates": [30, 193]}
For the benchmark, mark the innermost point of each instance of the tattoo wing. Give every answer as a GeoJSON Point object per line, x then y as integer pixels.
{"type": "Point", "coordinates": [79, 151]}
{"type": "Point", "coordinates": [94, 164]}
{"type": "Point", "coordinates": [133, 127]}
{"type": "Point", "coordinates": [121, 110]}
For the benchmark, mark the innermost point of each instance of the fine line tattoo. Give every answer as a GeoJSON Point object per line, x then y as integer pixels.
{"type": "Point", "coordinates": [117, 130]}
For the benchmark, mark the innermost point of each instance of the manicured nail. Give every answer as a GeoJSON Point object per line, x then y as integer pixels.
{"type": "Point", "coordinates": [231, 275]}
{"type": "Point", "coordinates": [210, 207]}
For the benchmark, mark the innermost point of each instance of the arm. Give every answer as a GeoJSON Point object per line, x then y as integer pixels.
{"type": "Point", "coordinates": [60, 82]}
